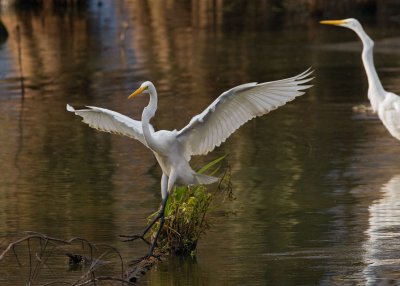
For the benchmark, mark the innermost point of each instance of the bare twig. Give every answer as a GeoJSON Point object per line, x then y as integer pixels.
{"type": "Point", "coordinates": [42, 255]}
{"type": "Point", "coordinates": [105, 278]}
{"type": "Point", "coordinates": [30, 260]}
{"type": "Point", "coordinates": [48, 239]}
{"type": "Point", "coordinates": [57, 283]}
{"type": "Point", "coordinates": [119, 255]}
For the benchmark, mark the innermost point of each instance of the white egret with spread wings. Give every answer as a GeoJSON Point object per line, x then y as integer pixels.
{"type": "Point", "coordinates": [205, 131]}
{"type": "Point", "coordinates": [386, 104]}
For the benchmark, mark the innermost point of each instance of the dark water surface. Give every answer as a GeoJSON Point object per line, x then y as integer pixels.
{"type": "Point", "coordinates": [317, 186]}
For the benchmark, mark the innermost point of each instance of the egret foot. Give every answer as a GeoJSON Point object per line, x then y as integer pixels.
{"type": "Point", "coordinates": [134, 237]}
{"type": "Point", "coordinates": [146, 230]}
{"type": "Point", "coordinates": [160, 216]}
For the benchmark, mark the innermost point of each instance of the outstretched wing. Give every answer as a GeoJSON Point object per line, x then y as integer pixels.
{"type": "Point", "coordinates": [235, 107]}
{"type": "Point", "coordinates": [110, 121]}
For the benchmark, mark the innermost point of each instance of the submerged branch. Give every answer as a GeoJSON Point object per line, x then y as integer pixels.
{"type": "Point", "coordinates": [126, 276]}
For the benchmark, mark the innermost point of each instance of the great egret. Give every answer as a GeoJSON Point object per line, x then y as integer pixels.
{"type": "Point", "coordinates": [205, 131]}
{"type": "Point", "coordinates": [386, 104]}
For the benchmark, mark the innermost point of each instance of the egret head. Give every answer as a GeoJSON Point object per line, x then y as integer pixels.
{"type": "Point", "coordinates": [145, 87]}
{"type": "Point", "coordinates": [350, 23]}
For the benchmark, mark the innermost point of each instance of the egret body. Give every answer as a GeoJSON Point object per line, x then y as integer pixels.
{"type": "Point", "coordinates": [385, 104]}
{"type": "Point", "coordinates": [205, 131]}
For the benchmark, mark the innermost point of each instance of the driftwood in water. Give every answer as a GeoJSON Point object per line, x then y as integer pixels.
{"type": "Point", "coordinates": [137, 268]}
{"type": "Point", "coordinates": [140, 267]}
{"type": "Point", "coordinates": [41, 247]}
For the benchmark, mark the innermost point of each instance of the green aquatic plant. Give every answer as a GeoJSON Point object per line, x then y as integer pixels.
{"type": "Point", "coordinates": [186, 212]}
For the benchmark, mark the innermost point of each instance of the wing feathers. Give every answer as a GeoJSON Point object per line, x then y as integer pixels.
{"type": "Point", "coordinates": [110, 121]}
{"type": "Point", "coordinates": [235, 107]}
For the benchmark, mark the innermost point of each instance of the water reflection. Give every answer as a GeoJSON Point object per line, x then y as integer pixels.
{"type": "Point", "coordinates": [306, 176]}
{"type": "Point", "coordinates": [382, 246]}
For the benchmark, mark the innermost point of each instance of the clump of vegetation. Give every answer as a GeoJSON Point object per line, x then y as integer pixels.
{"type": "Point", "coordinates": [186, 212]}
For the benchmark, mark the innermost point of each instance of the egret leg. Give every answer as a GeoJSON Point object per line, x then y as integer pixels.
{"type": "Point", "coordinates": [165, 191]}
{"type": "Point", "coordinates": [161, 215]}
{"type": "Point", "coordinates": [164, 186]}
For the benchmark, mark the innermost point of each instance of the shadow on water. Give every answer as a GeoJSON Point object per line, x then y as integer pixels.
{"type": "Point", "coordinates": [315, 183]}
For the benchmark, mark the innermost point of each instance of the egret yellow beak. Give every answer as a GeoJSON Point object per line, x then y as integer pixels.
{"type": "Point", "coordinates": [137, 92]}
{"type": "Point", "coordinates": [332, 22]}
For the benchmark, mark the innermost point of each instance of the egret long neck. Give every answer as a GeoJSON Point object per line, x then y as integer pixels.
{"type": "Point", "coordinates": [376, 91]}
{"type": "Point", "coordinates": [148, 112]}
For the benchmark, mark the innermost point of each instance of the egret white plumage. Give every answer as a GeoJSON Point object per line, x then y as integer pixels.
{"type": "Point", "coordinates": [386, 104]}
{"type": "Point", "coordinates": [205, 131]}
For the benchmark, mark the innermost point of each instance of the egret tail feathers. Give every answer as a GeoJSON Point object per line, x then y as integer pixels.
{"type": "Point", "coordinates": [205, 179]}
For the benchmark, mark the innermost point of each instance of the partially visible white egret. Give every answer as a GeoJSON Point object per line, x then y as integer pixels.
{"type": "Point", "coordinates": [386, 104]}
{"type": "Point", "coordinates": [173, 149]}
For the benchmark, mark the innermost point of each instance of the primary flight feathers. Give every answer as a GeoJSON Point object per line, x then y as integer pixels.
{"type": "Point", "coordinates": [235, 107]}
{"type": "Point", "coordinates": [110, 121]}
